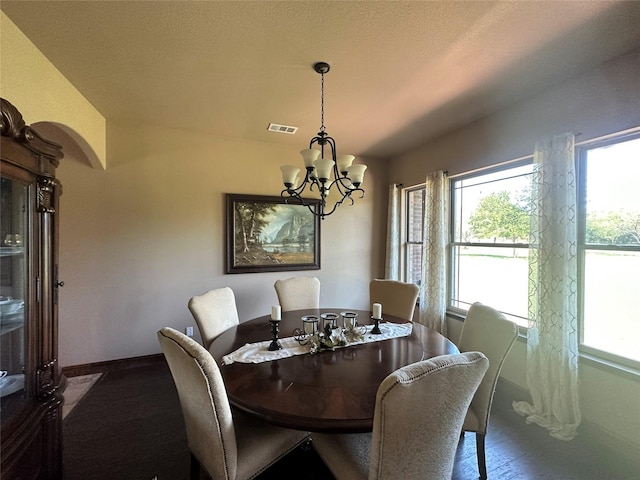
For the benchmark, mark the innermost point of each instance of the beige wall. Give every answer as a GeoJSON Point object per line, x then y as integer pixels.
{"type": "Point", "coordinates": [600, 102]}
{"type": "Point", "coordinates": [603, 101]}
{"type": "Point", "coordinates": [139, 239]}
{"type": "Point", "coordinates": [42, 94]}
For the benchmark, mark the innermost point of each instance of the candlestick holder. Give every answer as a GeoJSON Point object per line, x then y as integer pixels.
{"type": "Point", "coordinates": [376, 326]}
{"type": "Point", "coordinates": [275, 329]}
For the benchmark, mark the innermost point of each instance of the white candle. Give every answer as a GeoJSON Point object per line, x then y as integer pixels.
{"type": "Point", "coordinates": [276, 313]}
{"type": "Point", "coordinates": [377, 311]}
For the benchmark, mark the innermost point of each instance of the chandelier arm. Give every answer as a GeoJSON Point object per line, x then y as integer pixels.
{"type": "Point", "coordinates": [298, 190]}
{"type": "Point", "coordinates": [314, 184]}
{"type": "Point", "coordinates": [289, 194]}
{"type": "Point", "coordinates": [344, 185]}
{"type": "Point", "coordinates": [339, 202]}
{"type": "Point", "coordinates": [332, 144]}
{"type": "Point", "coordinates": [340, 183]}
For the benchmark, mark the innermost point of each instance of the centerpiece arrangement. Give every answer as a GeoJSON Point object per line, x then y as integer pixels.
{"type": "Point", "coordinates": [330, 336]}
{"type": "Point", "coordinates": [333, 337]}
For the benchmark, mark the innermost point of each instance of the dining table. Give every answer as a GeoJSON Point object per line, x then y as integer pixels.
{"type": "Point", "coordinates": [330, 391]}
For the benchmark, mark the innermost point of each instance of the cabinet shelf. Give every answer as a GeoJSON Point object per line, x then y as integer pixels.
{"type": "Point", "coordinates": [11, 251]}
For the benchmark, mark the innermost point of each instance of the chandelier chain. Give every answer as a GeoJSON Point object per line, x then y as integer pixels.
{"type": "Point", "coordinates": [322, 104]}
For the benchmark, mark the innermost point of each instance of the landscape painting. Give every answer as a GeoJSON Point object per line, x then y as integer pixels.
{"type": "Point", "coordinates": [265, 234]}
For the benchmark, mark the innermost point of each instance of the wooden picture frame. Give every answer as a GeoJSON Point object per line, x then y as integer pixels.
{"type": "Point", "coordinates": [265, 234]}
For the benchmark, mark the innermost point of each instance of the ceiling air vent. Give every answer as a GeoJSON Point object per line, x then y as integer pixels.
{"type": "Point", "coordinates": [274, 127]}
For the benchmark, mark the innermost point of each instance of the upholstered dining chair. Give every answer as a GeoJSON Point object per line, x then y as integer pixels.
{"type": "Point", "coordinates": [488, 331]}
{"type": "Point", "coordinates": [416, 424]}
{"type": "Point", "coordinates": [214, 311]}
{"type": "Point", "coordinates": [298, 293]}
{"type": "Point", "coordinates": [227, 444]}
{"type": "Point", "coordinates": [397, 298]}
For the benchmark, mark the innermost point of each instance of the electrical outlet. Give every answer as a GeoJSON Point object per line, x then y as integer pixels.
{"type": "Point", "coordinates": [188, 331]}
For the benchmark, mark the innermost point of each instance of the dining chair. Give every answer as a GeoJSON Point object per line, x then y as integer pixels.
{"type": "Point", "coordinates": [214, 311]}
{"type": "Point", "coordinates": [298, 293]}
{"type": "Point", "coordinates": [417, 419]}
{"type": "Point", "coordinates": [227, 443]}
{"type": "Point", "coordinates": [488, 331]}
{"type": "Point", "coordinates": [397, 298]}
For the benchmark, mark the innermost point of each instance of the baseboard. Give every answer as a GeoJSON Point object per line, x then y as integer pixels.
{"type": "Point", "coordinates": [590, 431]}
{"type": "Point", "coordinates": [112, 365]}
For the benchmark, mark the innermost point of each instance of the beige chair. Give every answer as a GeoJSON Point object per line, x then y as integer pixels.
{"type": "Point", "coordinates": [214, 312]}
{"type": "Point", "coordinates": [298, 293]}
{"type": "Point", "coordinates": [226, 445]}
{"type": "Point", "coordinates": [487, 331]}
{"type": "Point", "coordinates": [397, 298]}
{"type": "Point", "coordinates": [416, 425]}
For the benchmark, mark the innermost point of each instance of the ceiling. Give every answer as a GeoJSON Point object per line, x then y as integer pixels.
{"type": "Point", "coordinates": [401, 72]}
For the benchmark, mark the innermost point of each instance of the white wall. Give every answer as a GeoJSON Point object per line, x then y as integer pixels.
{"type": "Point", "coordinates": [600, 102]}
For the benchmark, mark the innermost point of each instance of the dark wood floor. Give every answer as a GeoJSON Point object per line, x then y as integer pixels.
{"type": "Point", "coordinates": [129, 426]}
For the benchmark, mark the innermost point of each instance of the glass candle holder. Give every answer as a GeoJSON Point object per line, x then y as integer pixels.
{"type": "Point", "coordinates": [349, 319]}
{"type": "Point", "coordinates": [310, 324]}
{"type": "Point", "coordinates": [329, 319]}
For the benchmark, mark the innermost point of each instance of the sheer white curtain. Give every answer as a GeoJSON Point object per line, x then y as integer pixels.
{"type": "Point", "coordinates": [392, 263]}
{"type": "Point", "coordinates": [433, 288]}
{"type": "Point", "coordinates": [552, 345]}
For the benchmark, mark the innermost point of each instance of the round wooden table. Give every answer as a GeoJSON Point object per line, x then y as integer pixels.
{"type": "Point", "coordinates": [331, 391]}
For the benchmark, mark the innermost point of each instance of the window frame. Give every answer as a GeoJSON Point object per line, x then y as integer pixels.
{"type": "Point", "coordinates": [581, 153]}
{"type": "Point", "coordinates": [452, 244]}
{"type": "Point", "coordinates": [405, 242]}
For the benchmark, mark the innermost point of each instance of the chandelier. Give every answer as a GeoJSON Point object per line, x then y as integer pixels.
{"type": "Point", "coordinates": [323, 172]}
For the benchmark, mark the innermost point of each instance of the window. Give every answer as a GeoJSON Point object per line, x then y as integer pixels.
{"type": "Point", "coordinates": [488, 250]}
{"type": "Point", "coordinates": [609, 198]}
{"type": "Point", "coordinates": [414, 202]}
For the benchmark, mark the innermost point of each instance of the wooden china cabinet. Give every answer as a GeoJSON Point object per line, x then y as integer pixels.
{"type": "Point", "coordinates": [31, 383]}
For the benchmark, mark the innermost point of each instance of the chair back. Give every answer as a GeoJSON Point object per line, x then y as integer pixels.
{"type": "Point", "coordinates": [486, 330]}
{"type": "Point", "coordinates": [203, 399]}
{"type": "Point", "coordinates": [298, 293]}
{"type": "Point", "coordinates": [397, 298]}
{"type": "Point", "coordinates": [214, 312]}
{"type": "Point", "coordinates": [418, 416]}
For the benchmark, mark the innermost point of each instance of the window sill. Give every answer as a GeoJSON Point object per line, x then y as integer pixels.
{"type": "Point", "coordinates": [623, 371]}
{"type": "Point", "coordinates": [455, 315]}
{"type": "Point", "coordinates": [608, 366]}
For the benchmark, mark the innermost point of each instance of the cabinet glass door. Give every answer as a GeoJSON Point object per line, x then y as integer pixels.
{"type": "Point", "coordinates": [14, 235]}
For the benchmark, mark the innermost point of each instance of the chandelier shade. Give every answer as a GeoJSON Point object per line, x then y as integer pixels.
{"type": "Point", "coordinates": [324, 170]}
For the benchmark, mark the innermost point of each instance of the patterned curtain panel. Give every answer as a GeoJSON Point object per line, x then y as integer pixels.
{"type": "Point", "coordinates": [392, 264]}
{"type": "Point", "coordinates": [552, 345]}
{"type": "Point", "coordinates": [433, 288]}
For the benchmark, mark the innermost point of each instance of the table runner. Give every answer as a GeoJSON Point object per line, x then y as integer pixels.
{"type": "Point", "coordinates": [258, 352]}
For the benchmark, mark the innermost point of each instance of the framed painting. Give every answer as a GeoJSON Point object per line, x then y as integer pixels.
{"type": "Point", "coordinates": [265, 234]}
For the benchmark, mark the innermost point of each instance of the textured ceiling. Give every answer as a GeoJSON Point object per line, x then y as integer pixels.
{"type": "Point", "coordinates": [401, 72]}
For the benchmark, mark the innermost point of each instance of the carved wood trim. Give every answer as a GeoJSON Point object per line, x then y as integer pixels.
{"type": "Point", "coordinates": [12, 125]}
{"type": "Point", "coordinates": [46, 187]}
